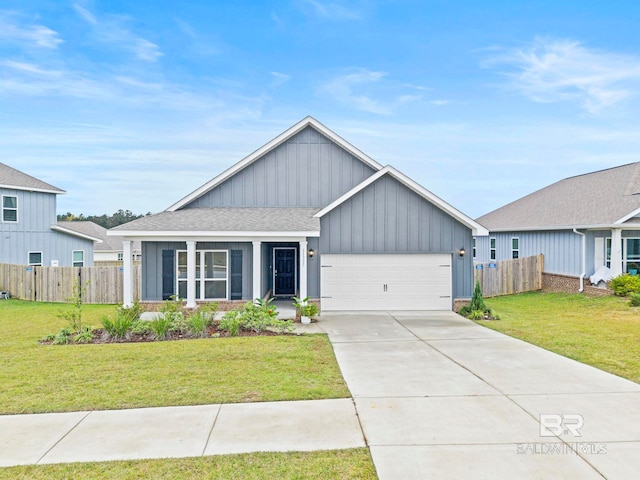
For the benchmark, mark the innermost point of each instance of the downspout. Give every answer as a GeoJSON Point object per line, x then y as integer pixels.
{"type": "Point", "coordinates": [584, 259]}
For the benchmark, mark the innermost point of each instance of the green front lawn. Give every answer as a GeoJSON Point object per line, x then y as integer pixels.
{"type": "Point", "coordinates": [603, 332]}
{"type": "Point", "coordinates": [353, 464]}
{"type": "Point", "coordinates": [45, 378]}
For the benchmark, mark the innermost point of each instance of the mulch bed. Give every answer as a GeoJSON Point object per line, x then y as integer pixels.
{"type": "Point", "coordinates": [101, 336]}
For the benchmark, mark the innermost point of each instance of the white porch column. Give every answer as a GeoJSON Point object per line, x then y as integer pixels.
{"type": "Point", "coordinates": [191, 274]}
{"type": "Point", "coordinates": [257, 267]}
{"type": "Point", "coordinates": [303, 269]}
{"type": "Point", "coordinates": [616, 251]}
{"type": "Point", "coordinates": [127, 274]}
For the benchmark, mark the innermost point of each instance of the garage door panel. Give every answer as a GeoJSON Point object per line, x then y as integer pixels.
{"type": "Point", "coordinates": [386, 282]}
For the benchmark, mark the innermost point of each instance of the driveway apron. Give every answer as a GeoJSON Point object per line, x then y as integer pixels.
{"type": "Point", "coordinates": [441, 397]}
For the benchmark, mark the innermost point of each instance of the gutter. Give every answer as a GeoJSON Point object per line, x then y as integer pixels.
{"type": "Point", "coordinates": [584, 259]}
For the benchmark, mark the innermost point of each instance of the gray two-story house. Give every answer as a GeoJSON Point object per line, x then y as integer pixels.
{"type": "Point", "coordinates": [307, 214]}
{"type": "Point", "coordinates": [29, 234]}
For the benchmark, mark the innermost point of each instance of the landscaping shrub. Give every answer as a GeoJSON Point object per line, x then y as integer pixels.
{"type": "Point", "coordinates": [625, 284]}
{"type": "Point", "coordinates": [118, 327]}
{"type": "Point", "coordinates": [198, 323]}
{"type": "Point", "coordinates": [161, 325]}
{"type": "Point", "coordinates": [634, 300]}
{"type": "Point", "coordinates": [231, 323]}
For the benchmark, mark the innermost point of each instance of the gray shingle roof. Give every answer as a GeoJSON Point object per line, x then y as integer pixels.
{"type": "Point", "coordinates": [594, 199]}
{"type": "Point", "coordinates": [94, 230]}
{"type": "Point", "coordinates": [227, 220]}
{"type": "Point", "coordinates": [12, 178]}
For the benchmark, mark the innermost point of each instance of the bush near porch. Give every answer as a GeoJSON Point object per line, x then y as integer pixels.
{"type": "Point", "coordinates": [600, 331]}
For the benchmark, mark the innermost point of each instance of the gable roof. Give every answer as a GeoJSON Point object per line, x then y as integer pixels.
{"type": "Point", "coordinates": [279, 140]}
{"type": "Point", "coordinates": [75, 232]}
{"type": "Point", "coordinates": [17, 180]}
{"type": "Point", "coordinates": [92, 229]}
{"type": "Point", "coordinates": [225, 221]}
{"type": "Point", "coordinates": [475, 227]}
{"type": "Point", "coordinates": [604, 198]}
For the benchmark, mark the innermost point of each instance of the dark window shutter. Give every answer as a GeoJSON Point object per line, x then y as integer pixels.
{"type": "Point", "coordinates": [236, 274]}
{"type": "Point", "coordinates": [168, 274]}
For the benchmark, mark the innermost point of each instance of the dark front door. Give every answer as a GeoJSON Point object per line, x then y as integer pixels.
{"type": "Point", "coordinates": [284, 271]}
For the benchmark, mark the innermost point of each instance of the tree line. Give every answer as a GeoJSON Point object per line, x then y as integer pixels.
{"type": "Point", "coordinates": [107, 221]}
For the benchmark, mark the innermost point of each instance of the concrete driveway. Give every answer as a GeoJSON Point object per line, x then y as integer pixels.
{"type": "Point", "coordinates": [441, 397]}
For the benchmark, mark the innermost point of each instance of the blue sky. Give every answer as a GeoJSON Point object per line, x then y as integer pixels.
{"type": "Point", "coordinates": [133, 105]}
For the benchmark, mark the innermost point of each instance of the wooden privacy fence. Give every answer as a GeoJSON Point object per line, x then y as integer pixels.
{"type": "Point", "coordinates": [55, 284]}
{"type": "Point", "coordinates": [510, 276]}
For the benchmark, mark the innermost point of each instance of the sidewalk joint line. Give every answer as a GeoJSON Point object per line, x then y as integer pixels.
{"type": "Point", "coordinates": [62, 438]}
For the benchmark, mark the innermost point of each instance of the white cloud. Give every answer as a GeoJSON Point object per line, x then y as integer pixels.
{"type": "Point", "coordinates": [334, 11]}
{"type": "Point", "coordinates": [279, 79]}
{"type": "Point", "coordinates": [366, 90]}
{"type": "Point", "coordinates": [28, 35]}
{"type": "Point", "coordinates": [112, 30]}
{"type": "Point", "coordinates": [553, 70]}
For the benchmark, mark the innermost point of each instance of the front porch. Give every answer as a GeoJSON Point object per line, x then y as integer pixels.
{"type": "Point", "coordinates": [216, 269]}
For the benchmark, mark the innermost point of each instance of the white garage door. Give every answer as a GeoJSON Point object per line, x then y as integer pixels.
{"type": "Point", "coordinates": [385, 282]}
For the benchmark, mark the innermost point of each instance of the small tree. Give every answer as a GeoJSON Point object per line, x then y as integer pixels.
{"type": "Point", "coordinates": [477, 302]}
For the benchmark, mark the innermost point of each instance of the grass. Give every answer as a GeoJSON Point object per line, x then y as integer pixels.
{"type": "Point", "coordinates": [37, 378]}
{"type": "Point", "coordinates": [600, 331]}
{"type": "Point", "coordinates": [338, 464]}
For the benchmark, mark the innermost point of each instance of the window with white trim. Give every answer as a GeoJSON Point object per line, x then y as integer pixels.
{"type": "Point", "coordinates": [35, 259]}
{"type": "Point", "coordinates": [630, 254]}
{"type": "Point", "coordinates": [515, 247]}
{"type": "Point", "coordinates": [474, 247]}
{"type": "Point", "coordinates": [120, 256]}
{"type": "Point", "coordinates": [9, 208]}
{"type": "Point", "coordinates": [78, 258]}
{"type": "Point", "coordinates": [492, 248]}
{"type": "Point", "coordinates": [212, 274]}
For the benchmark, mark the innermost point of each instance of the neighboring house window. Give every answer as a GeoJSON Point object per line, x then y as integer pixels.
{"type": "Point", "coordinates": [120, 257]}
{"type": "Point", "coordinates": [515, 247]}
{"type": "Point", "coordinates": [630, 254]}
{"type": "Point", "coordinates": [9, 208]}
{"type": "Point", "coordinates": [492, 248]}
{"type": "Point", "coordinates": [78, 258]}
{"type": "Point", "coordinates": [35, 259]}
{"type": "Point", "coordinates": [474, 247]}
{"type": "Point", "coordinates": [631, 257]}
{"type": "Point", "coordinates": [212, 274]}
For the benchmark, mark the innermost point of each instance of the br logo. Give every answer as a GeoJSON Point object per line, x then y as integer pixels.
{"type": "Point", "coordinates": [555, 425]}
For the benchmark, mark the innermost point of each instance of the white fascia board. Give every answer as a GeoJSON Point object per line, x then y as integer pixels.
{"type": "Point", "coordinates": [216, 238]}
{"type": "Point", "coordinates": [280, 139]}
{"type": "Point", "coordinates": [141, 234]}
{"type": "Point", "coordinates": [60, 229]}
{"type": "Point", "coordinates": [627, 217]}
{"type": "Point", "coordinates": [477, 229]}
{"type": "Point", "coordinates": [604, 226]}
{"type": "Point", "coordinates": [31, 189]}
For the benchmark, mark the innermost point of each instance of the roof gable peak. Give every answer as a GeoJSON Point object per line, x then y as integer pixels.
{"type": "Point", "coordinates": [269, 146]}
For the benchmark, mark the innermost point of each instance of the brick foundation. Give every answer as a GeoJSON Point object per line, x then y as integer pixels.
{"type": "Point", "coordinates": [552, 282]}
{"type": "Point", "coordinates": [458, 303]}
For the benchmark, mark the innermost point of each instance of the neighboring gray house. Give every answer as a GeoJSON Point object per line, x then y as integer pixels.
{"type": "Point", "coordinates": [29, 234]}
{"type": "Point", "coordinates": [580, 224]}
{"type": "Point", "coordinates": [307, 214]}
{"type": "Point", "coordinates": [107, 252]}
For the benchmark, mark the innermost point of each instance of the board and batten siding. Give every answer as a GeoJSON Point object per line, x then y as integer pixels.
{"type": "Point", "coordinates": [562, 249]}
{"type": "Point", "coordinates": [308, 170]}
{"type": "Point", "coordinates": [152, 264]}
{"type": "Point", "coordinates": [387, 217]}
{"type": "Point", "coordinates": [32, 232]}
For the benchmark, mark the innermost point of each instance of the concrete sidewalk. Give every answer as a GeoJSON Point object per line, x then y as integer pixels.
{"type": "Point", "coordinates": [178, 432]}
{"type": "Point", "coordinates": [441, 397]}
